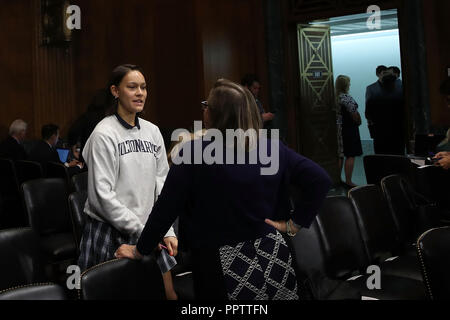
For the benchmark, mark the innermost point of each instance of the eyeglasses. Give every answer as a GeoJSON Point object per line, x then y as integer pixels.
{"type": "Point", "coordinates": [204, 105]}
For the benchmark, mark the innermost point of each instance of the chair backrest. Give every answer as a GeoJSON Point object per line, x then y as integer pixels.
{"type": "Point", "coordinates": [433, 250]}
{"type": "Point", "coordinates": [123, 279]}
{"type": "Point", "coordinates": [433, 182]}
{"type": "Point", "coordinates": [80, 181]}
{"type": "Point", "coordinates": [378, 166]}
{"type": "Point", "coordinates": [345, 255]}
{"type": "Point", "coordinates": [307, 252]}
{"type": "Point", "coordinates": [21, 258]}
{"type": "Point", "coordinates": [9, 183]}
{"type": "Point", "coordinates": [29, 170]}
{"type": "Point", "coordinates": [401, 205]}
{"type": "Point", "coordinates": [375, 222]}
{"type": "Point", "coordinates": [58, 170]}
{"type": "Point", "coordinates": [77, 200]}
{"type": "Point", "coordinates": [38, 291]}
{"type": "Point", "coordinates": [47, 206]}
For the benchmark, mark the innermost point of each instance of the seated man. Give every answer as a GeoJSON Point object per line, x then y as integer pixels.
{"type": "Point", "coordinates": [45, 151]}
{"type": "Point", "coordinates": [11, 147]}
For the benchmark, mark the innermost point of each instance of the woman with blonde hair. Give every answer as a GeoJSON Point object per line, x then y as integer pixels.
{"type": "Point", "coordinates": [351, 120]}
{"type": "Point", "coordinates": [233, 213]}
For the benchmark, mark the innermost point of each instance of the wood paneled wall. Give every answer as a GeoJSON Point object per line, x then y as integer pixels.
{"type": "Point", "coordinates": [232, 44]}
{"type": "Point", "coordinates": [53, 81]}
{"type": "Point", "coordinates": [37, 82]}
{"type": "Point", "coordinates": [183, 46]}
{"type": "Point", "coordinates": [111, 34]}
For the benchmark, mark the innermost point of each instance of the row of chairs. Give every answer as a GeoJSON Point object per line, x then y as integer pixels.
{"type": "Point", "coordinates": [15, 173]}
{"type": "Point", "coordinates": [430, 181]}
{"type": "Point", "coordinates": [141, 280]}
{"type": "Point", "coordinates": [374, 226]}
{"type": "Point", "coordinates": [20, 171]}
{"type": "Point", "coordinates": [38, 256]}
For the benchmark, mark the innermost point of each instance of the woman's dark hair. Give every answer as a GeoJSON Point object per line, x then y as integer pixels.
{"type": "Point", "coordinates": [115, 79]}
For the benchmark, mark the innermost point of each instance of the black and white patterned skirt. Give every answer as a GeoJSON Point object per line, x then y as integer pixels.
{"type": "Point", "coordinates": [259, 270]}
{"type": "Point", "coordinates": [100, 241]}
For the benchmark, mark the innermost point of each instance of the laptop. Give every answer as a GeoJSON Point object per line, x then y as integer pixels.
{"type": "Point", "coordinates": [63, 154]}
{"type": "Point", "coordinates": [425, 145]}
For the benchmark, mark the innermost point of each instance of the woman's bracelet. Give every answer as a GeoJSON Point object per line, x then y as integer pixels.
{"type": "Point", "coordinates": [288, 229]}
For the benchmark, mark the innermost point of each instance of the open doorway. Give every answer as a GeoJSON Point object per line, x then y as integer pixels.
{"type": "Point", "coordinates": [356, 52]}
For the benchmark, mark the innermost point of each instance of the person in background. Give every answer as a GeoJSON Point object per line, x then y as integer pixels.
{"type": "Point", "coordinates": [127, 167]}
{"type": "Point", "coordinates": [252, 83]}
{"type": "Point", "coordinates": [82, 128]}
{"type": "Point", "coordinates": [395, 71]}
{"type": "Point", "coordinates": [233, 228]}
{"type": "Point", "coordinates": [74, 162]}
{"type": "Point", "coordinates": [351, 120]}
{"type": "Point", "coordinates": [385, 114]}
{"type": "Point", "coordinates": [11, 147]}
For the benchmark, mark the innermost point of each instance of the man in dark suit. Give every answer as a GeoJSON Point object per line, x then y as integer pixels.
{"type": "Point", "coordinates": [11, 147]}
{"type": "Point", "coordinates": [45, 151]}
{"type": "Point", "coordinates": [384, 113]}
{"type": "Point", "coordinates": [372, 91]}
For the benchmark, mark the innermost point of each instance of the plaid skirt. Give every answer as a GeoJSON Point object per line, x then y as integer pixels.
{"type": "Point", "coordinates": [100, 241]}
{"type": "Point", "coordinates": [259, 270]}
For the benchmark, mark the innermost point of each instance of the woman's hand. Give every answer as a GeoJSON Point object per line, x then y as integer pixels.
{"type": "Point", "coordinates": [281, 225]}
{"type": "Point", "coordinates": [127, 251]}
{"type": "Point", "coordinates": [171, 244]}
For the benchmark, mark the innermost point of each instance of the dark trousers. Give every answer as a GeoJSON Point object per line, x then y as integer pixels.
{"type": "Point", "coordinates": [207, 273]}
